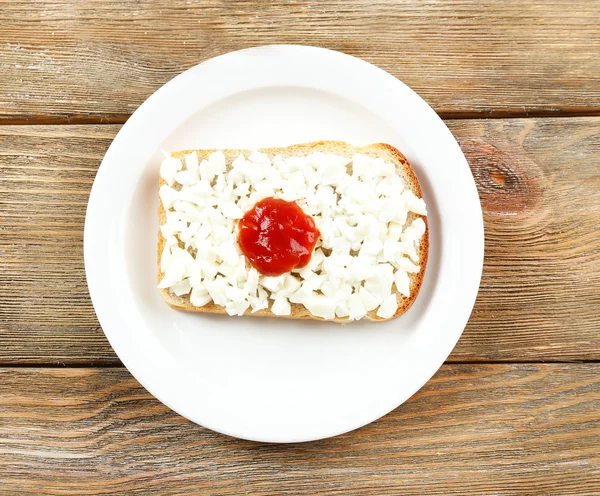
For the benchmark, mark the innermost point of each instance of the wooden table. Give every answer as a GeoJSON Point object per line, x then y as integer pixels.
{"type": "Point", "coordinates": [516, 408]}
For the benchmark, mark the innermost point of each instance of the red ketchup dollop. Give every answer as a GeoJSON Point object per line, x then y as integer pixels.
{"type": "Point", "coordinates": [277, 236]}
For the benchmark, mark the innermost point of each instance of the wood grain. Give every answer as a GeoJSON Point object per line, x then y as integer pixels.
{"type": "Point", "coordinates": [473, 429]}
{"type": "Point", "coordinates": [97, 61]}
{"type": "Point", "coordinates": [540, 189]}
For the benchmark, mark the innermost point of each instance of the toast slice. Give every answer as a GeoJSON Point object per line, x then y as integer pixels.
{"type": "Point", "coordinates": [378, 150]}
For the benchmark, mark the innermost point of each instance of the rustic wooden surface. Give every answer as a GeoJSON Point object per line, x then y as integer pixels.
{"type": "Point", "coordinates": [499, 429]}
{"type": "Point", "coordinates": [495, 420]}
{"type": "Point", "coordinates": [539, 184]}
{"type": "Point", "coordinates": [79, 61]}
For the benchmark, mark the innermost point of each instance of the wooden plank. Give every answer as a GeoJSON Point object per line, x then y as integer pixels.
{"type": "Point", "coordinates": [540, 189]}
{"type": "Point", "coordinates": [89, 61]}
{"type": "Point", "coordinates": [46, 174]}
{"type": "Point", "coordinates": [473, 429]}
{"type": "Point", "coordinates": [539, 183]}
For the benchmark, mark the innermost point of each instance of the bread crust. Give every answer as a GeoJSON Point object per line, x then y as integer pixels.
{"type": "Point", "coordinates": [383, 150]}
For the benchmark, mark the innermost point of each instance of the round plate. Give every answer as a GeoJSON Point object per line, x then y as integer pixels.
{"type": "Point", "coordinates": [273, 379]}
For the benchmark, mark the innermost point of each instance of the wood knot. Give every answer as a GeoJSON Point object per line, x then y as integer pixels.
{"type": "Point", "coordinates": [508, 183]}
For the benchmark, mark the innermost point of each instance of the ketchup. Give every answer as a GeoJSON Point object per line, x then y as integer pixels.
{"type": "Point", "coordinates": [277, 236]}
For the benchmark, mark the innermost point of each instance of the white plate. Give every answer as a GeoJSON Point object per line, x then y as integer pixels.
{"type": "Point", "coordinates": [272, 379]}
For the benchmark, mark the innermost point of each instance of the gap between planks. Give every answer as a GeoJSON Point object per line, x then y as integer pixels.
{"type": "Point", "coordinates": [107, 364]}
{"type": "Point", "coordinates": [79, 119]}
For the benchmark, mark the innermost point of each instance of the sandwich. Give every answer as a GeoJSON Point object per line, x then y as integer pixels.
{"type": "Point", "coordinates": [323, 230]}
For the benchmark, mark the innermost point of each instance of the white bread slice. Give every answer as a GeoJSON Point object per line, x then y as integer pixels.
{"type": "Point", "coordinates": [385, 151]}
